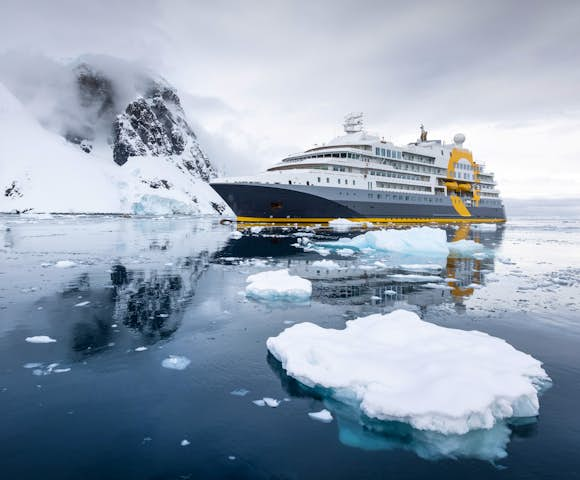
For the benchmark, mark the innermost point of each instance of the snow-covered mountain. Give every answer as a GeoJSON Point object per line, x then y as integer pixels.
{"type": "Point", "coordinates": [100, 136]}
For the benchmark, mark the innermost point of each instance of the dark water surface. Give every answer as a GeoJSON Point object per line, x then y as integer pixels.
{"type": "Point", "coordinates": [176, 287]}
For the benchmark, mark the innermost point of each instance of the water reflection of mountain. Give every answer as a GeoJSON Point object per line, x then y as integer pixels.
{"type": "Point", "coordinates": [358, 281]}
{"type": "Point", "coordinates": [150, 302]}
{"type": "Point", "coordinates": [359, 431]}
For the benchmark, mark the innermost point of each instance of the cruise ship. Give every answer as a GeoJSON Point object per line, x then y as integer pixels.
{"type": "Point", "coordinates": [364, 178]}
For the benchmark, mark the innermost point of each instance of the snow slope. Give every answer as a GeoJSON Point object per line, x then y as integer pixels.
{"type": "Point", "coordinates": [41, 171]}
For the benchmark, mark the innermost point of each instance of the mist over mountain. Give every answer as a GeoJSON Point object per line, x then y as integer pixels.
{"type": "Point", "coordinates": [97, 134]}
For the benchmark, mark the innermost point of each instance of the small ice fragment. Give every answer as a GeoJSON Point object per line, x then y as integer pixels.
{"type": "Point", "coordinates": [176, 362]}
{"type": "Point", "coordinates": [390, 292]}
{"type": "Point", "coordinates": [140, 349]}
{"type": "Point", "coordinates": [236, 234]}
{"type": "Point", "coordinates": [40, 339]}
{"type": "Point", "coordinates": [61, 370]}
{"type": "Point", "coordinates": [32, 365]}
{"type": "Point", "coordinates": [323, 416]}
{"type": "Point", "coordinates": [271, 402]}
{"type": "Point", "coordinates": [239, 392]}
{"type": "Point", "coordinates": [289, 322]}
{"type": "Point", "coordinates": [185, 443]}
{"type": "Point", "coordinates": [278, 285]}
{"type": "Point", "coordinates": [231, 457]}
{"type": "Point", "coordinates": [260, 403]}
{"type": "Point", "coordinates": [82, 304]}
{"type": "Point", "coordinates": [163, 315]}
{"type": "Point", "coordinates": [374, 297]}
{"type": "Point", "coordinates": [345, 252]}
{"type": "Point", "coordinates": [255, 229]}
{"type": "Point", "coordinates": [65, 264]}
{"type": "Point", "coordinates": [169, 264]}
{"type": "Point", "coordinates": [114, 325]}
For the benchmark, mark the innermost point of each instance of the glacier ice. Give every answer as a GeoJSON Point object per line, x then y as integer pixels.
{"type": "Point", "coordinates": [322, 416]}
{"type": "Point", "coordinates": [278, 285]}
{"type": "Point", "coordinates": [397, 367]}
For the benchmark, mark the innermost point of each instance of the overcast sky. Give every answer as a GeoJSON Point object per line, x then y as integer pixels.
{"type": "Point", "coordinates": [261, 79]}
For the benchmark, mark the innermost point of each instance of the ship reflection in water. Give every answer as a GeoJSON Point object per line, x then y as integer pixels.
{"type": "Point", "coordinates": [392, 282]}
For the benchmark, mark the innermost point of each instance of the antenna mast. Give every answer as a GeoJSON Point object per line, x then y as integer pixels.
{"type": "Point", "coordinates": [353, 122]}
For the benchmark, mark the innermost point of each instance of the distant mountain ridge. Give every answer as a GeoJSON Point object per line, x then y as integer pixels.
{"type": "Point", "coordinates": [123, 124]}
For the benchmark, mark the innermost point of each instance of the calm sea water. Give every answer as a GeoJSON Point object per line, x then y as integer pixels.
{"type": "Point", "coordinates": [95, 405]}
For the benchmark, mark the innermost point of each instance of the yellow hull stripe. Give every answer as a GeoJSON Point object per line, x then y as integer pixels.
{"type": "Point", "coordinates": [372, 220]}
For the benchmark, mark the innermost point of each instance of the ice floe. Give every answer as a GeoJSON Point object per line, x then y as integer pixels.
{"type": "Point", "coordinates": [328, 264]}
{"type": "Point", "coordinates": [82, 304]}
{"type": "Point", "coordinates": [236, 234]}
{"type": "Point", "coordinates": [423, 240]}
{"type": "Point", "coordinates": [176, 362]}
{"type": "Point", "coordinates": [278, 285]}
{"type": "Point", "coordinates": [65, 264]}
{"type": "Point", "coordinates": [239, 392]}
{"type": "Point", "coordinates": [185, 443]}
{"type": "Point", "coordinates": [342, 224]}
{"type": "Point", "coordinates": [396, 367]}
{"type": "Point", "coordinates": [267, 402]}
{"type": "Point", "coordinates": [465, 247]}
{"type": "Point", "coordinates": [40, 339]}
{"type": "Point", "coordinates": [323, 416]}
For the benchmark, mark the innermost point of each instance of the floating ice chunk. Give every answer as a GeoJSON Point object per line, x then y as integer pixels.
{"type": "Point", "coordinates": [323, 416]}
{"type": "Point", "coordinates": [400, 368]}
{"type": "Point", "coordinates": [422, 240]}
{"type": "Point", "coordinates": [418, 267]}
{"type": "Point", "coordinates": [239, 392]}
{"type": "Point", "coordinates": [271, 402]}
{"type": "Point", "coordinates": [484, 227]}
{"type": "Point", "coordinates": [260, 403]}
{"type": "Point", "coordinates": [400, 277]}
{"type": "Point", "coordinates": [380, 264]}
{"type": "Point", "coordinates": [255, 229]}
{"type": "Point", "coordinates": [82, 304]}
{"type": "Point", "coordinates": [342, 224]}
{"type": "Point", "coordinates": [185, 443]}
{"type": "Point", "coordinates": [65, 264]}
{"type": "Point", "coordinates": [278, 285]}
{"type": "Point", "coordinates": [176, 362]}
{"type": "Point", "coordinates": [236, 234]}
{"type": "Point", "coordinates": [231, 457]}
{"type": "Point", "coordinates": [345, 252]}
{"type": "Point", "coordinates": [140, 349]}
{"type": "Point", "coordinates": [465, 247]}
{"type": "Point", "coordinates": [40, 339]}
{"type": "Point", "coordinates": [32, 365]}
{"type": "Point", "coordinates": [439, 286]}
{"type": "Point", "coordinates": [390, 292]}
{"type": "Point", "coordinates": [328, 264]}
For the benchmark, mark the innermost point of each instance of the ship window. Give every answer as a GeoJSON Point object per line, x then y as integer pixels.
{"type": "Point", "coordinates": [343, 155]}
{"type": "Point", "coordinates": [290, 182]}
{"type": "Point", "coordinates": [388, 153]}
{"type": "Point", "coordinates": [377, 151]}
{"type": "Point", "coordinates": [339, 181]}
{"type": "Point", "coordinates": [318, 179]}
{"type": "Point", "coordinates": [398, 154]}
{"type": "Point", "coordinates": [327, 180]}
{"type": "Point", "coordinates": [383, 152]}
{"type": "Point", "coordinates": [353, 182]}
{"type": "Point", "coordinates": [307, 182]}
{"type": "Point", "coordinates": [346, 182]}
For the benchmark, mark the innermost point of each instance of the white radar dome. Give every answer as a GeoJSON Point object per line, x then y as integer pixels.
{"type": "Point", "coordinates": [459, 138]}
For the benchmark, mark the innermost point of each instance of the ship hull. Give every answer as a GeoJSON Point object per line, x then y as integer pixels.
{"type": "Point", "coordinates": [312, 204]}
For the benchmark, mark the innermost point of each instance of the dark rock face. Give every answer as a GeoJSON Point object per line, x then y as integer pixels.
{"type": "Point", "coordinates": [153, 124]}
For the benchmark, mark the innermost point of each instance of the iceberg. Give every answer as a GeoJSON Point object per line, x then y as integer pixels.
{"type": "Point", "coordinates": [323, 416]}
{"type": "Point", "coordinates": [423, 240]}
{"type": "Point", "coordinates": [399, 368]}
{"type": "Point", "coordinates": [278, 285]}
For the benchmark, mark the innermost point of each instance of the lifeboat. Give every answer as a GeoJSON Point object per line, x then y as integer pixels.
{"type": "Point", "coordinates": [464, 187]}
{"type": "Point", "coordinates": [451, 186]}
